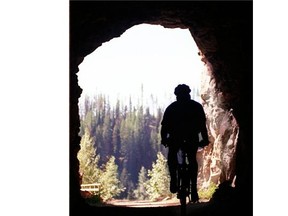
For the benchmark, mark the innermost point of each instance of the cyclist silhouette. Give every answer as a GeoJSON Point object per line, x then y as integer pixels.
{"type": "Point", "coordinates": [184, 123]}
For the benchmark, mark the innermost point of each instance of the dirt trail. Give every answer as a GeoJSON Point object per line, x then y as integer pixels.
{"type": "Point", "coordinates": [146, 203]}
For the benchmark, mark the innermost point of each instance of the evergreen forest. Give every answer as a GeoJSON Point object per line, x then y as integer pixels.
{"type": "Point", "coordinates": [121, 150]}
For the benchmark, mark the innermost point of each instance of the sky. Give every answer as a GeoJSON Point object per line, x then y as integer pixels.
{"type": "Point", "coordinates": [150, 55]}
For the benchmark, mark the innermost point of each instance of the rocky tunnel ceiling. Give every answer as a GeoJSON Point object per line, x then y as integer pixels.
{"type": "Point", "coordinates": [222, 32]}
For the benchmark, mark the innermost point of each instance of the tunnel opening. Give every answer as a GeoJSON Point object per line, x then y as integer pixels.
{"type": "Point", "coordinates": [161, 64]}
{"type": "Point", "coordinates": [104, 122]}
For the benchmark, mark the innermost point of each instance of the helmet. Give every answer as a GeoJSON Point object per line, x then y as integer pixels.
{"type": "Point", "coordinates": [182, 89]}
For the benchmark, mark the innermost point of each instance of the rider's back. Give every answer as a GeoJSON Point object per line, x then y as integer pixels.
{"type": "Point", "coordinates": [183, 120]}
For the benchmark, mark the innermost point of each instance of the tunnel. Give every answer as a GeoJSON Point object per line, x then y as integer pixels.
{"type": "Point", "coordinates": [223, 33]}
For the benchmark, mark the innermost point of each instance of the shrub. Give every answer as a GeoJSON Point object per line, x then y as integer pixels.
{"type": "Point", "coordinates": [207, 193]}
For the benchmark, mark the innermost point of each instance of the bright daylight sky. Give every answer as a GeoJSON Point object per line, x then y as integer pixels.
{"type": "Point", "coordinates": [157, 57]}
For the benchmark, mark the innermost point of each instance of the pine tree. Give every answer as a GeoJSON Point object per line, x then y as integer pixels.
{"type": "Point", "coordinates": [110, 184]}
{"type": "Point", "coordinates": [131, 134]}
{"type": "Point", "coordinates": [88, 160]}
{"type": "Point", "coordinates": [116, 139]}
{"type": "Point", "coordinates": [158, 185]}
{"type": "Point", "coordinates": [124, 183]}
{"type": "Point", "coordinates": [107, 133]}
{"type": "Point", "coordinates": [140, 192]}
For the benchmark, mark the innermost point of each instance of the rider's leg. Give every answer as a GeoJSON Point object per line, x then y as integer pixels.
{"type": "Point", "coordinates": [172, 165]}
{"type": "Point", "coordinates": [194, 173]}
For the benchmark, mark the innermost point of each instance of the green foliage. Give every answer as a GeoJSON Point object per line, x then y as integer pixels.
{"type": "Point", "coordinates": [130, 190]}
{"type": "Point", "coordinates": [140, 192]}
{"type": "Point", "coordinates": [207, 193]}
{"type": "Point", "coordinates": [129, 133]}
{"type": "Point", "coordinates": [109, 182]}
{"type": "Point", "coordinates": [91, 173]}
{"type": "Point", "coordinates": [158, 185]}
{"type": "Point", "coordinates": [88, 160]}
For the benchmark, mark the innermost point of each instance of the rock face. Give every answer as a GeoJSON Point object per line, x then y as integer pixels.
{"type": "Point", "coordinates": [218, 161]}
{"type": "Point", "coordinates": [223, 34]}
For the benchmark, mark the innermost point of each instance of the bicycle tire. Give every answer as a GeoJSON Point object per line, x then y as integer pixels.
{"type": "Point", "coordinates": [183, 206]}
{"type": "Point", "coordinates": [183, 186]}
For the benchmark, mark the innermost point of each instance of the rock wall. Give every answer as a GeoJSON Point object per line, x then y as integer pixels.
{"type": "Point", "coordinates": [217, 162]}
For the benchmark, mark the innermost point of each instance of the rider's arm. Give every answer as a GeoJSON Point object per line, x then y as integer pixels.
{"type": "Point", "coordinates": [164, 136]}
{"type": "Point", "coordinates": [203, 128]}
{"type": "Point", "coordinates": [164, 128]}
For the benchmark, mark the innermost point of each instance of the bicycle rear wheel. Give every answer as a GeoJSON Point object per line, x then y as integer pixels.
{"type": "Point", "coordinates": [183, 205]}
{"type": "Point", "coordinates": [182, 190]}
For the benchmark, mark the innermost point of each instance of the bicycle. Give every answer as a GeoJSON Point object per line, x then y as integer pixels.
{"type": "Point", "coordinates": [183, 180]}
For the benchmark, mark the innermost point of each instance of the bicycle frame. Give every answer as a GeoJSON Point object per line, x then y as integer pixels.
{"type": "Point", "coordinates": [183, 180]}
